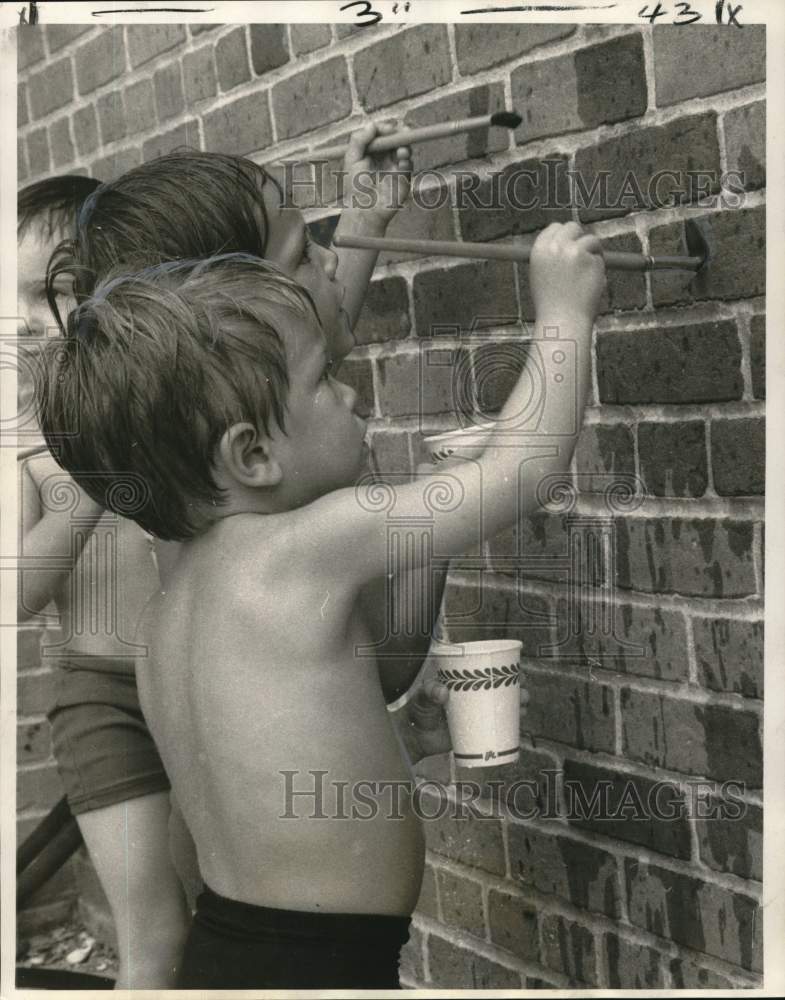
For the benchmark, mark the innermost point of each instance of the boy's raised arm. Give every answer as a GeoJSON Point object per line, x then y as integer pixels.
{"type": "Point", "coordinates": [371, 200]}
{"type": "Point", "coordinates": [475, 500]}
{"type": "Point", "coordinates": [47, 553]}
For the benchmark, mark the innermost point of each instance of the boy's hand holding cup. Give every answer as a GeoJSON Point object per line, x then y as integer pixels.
{"type": "Point", "coordinates": [480, 680]}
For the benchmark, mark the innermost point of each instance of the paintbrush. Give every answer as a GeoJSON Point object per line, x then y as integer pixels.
{"type": "Point", "coordinates": [501, 119]}
{"type": "Point", "coordinates": [614, 260]}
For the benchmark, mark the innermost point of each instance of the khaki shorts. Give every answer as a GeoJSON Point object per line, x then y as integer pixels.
{"type": "Point", "coordinates": [104, 751]}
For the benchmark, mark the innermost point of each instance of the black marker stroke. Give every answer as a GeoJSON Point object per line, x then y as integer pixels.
{"type": "Point", "coordinates": [531, 8]}
{"type": "Point", "coordinates": [156, 10]}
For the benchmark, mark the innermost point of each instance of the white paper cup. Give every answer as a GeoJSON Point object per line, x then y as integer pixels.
{"type": "Point", "coordinates": [457, 446]}
{"type": "Point", "coordinates": [483, 710]}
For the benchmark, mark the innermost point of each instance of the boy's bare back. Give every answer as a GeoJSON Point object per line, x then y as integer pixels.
{"type": "Point", "coordinates": [255, 674]}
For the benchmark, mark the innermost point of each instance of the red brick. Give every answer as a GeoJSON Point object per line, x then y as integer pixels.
{"type": "Point", "coordinates": [733, 843]}
{"type": "Point", "coordinates": [695, 363]}
{"type": "Point", "coordinates": [309, 37]}
{"type": "Point", "coordinates": [758, 356]}
{"type": "Point", "coordinates": [411, 965]}
{"type": "Point", "coordinates": [712, 741]}
{"type": "Point", "coordinates": [737, 264]}
{"type": "Point", "coordinates": [426, 216]}
{"type": "Point", "coordinates": [581, 90]}
{"type": "Point", "coordinates": [569, 948]}
{"type": "Point", "coordinates": [169, 96]}
{"type": "Point", "coordinates": [34, 692]}
{"type": "Point", "coordinates": [268, 47]}
{"type": "Point", "coordinates": [60, 143]}
{"type": "Point", "coordinates": [476, 843]}
{"type": "Point", "coordinates": [30, 45]}
{"type": "Point", "coordinates": [619, 812]}
{"type": "Point", "coordinates": [51, 88]}
{"type": "Point", "coordinates": [416, 61]}
{"type": "Point", "coordinates": [111, 116]}
{"type": "Point", "coordinates": [569, 710]}
{"type": "Point", "coordinates": [461, 901]}
{"type": "Point", "coordinates": [738, 456]}
{"type": "Point", "coordinates": [22, 116]}
{"type": "Point", "coordinates": [357, 372]}
{"type": "Point", "coordinates": [711, 60]}
{"type": "Point", "coordinates": [313, 98]}
{"type": "Point", "coordinates": [479, 46]}
{"type": "Point", "coordinates": [385, 313]}
{"type": "Point", "coordinates": [631, 161]}
{"type": "Point", "coordinates": [455, 967]}
{"type": "Point", "coordinates": [697, 914]}
{"type": "Point", "coordinates": [33, 742]}
{"type": "Point", "coordinates": [60, 35]}
{"type": "Point", "coordinates": [673, 458]}
{"type": "Point", "coordinates": [513, 925]}
{"type": "Point", "coordinates": [145, 41]}
{"type": "Point", "coordinates": [199, 75]}
{"type": "Point", "coordinates": [231, 59]}
{"type": "Point", "coordinates": [427, 902]}
{"type": "Point", "coordinates": [185, 134]}
{"type": "Point", "coordinates": [745, 142]}
{"type": "Point", "coordinates": [390, 452]}
{"type": "Point", "coordinates": [101, 59]}
{"type": "Point", "coordinates": [645, 641]}
{"type": "Point", "coordinates": [729, 654]}
{"type": "Point", "coordinates": [538, 547]}
{"type": "Point", "coordinates": [407, 389]}
{"type": "Point", "coordinates": [704, 557]}
{"type": "Point", "coordinates": [526, 196]}
{"type": "Point", "coordinates": [689, 975]}
{"type": "Point", "coordinates": [240, 128]}
{"type": "Point", "coordinates": [37, 787]}
{"type": "Point", "coordinates": [86, 129]}
{"type": "Point", "coordinates": [633, 966]}
{"type": "Point", "coordinates": [487, 607]}
{"type": "Point", "coordinates": [38, 151]}
{"type": "Point", "coordinates": [140, 106]}
{"type": "Point", "coordinates": [482, 100]}
{"type": "Point", "coordinates": [22, 172]}
{"type": "Point", "coordinates": [582, 874]}
{"type": "Point", "coordinates": [115, 164]}
{"type": "Point", "coordinates": [28, 648]}
{"type": "Point", "coordinates": [602, 451]}
{"type": "Point", "coordinates": [467, 297]}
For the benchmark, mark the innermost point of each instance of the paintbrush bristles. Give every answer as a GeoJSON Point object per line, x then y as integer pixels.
{"type": "Point", "coordinates": [405, 137]}
{"type": "Point", "coordinates": [506, 119]}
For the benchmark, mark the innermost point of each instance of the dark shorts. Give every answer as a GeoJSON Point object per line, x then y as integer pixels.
{"type": "Point", "coordinates": [234, 945]}
{"type": "Point", "coordinates": [104, 751]}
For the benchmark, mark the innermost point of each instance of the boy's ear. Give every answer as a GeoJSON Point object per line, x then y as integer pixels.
{"type": "Point", "coordinates": [247, 456]}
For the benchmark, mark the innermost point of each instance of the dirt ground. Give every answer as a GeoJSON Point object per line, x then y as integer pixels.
{"type": "Point", "coordinates": [70, 947]}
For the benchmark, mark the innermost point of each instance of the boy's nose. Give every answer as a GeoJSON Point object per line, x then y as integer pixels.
{"type": "Point", "coordinates": [350, 395]}
{"type": "Point", "coordinates": [329, 261]}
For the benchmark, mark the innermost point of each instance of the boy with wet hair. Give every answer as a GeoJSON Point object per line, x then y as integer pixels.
{"type": "Point", "coordinates": [182, 205]}
{"type": "Point", "coordinates": [98, 570]}
{"type": "Point", "coordinates": [277, 516]}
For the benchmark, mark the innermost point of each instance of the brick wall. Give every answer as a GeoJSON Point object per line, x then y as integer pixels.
{"type": "Point", "coordinates": [673, 691]}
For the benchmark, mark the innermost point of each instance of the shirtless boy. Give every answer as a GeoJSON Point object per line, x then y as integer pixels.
{"type": "Point", "coordinates": [271, 518]}
{"type": "Point", "coordinates": [97, 570]}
